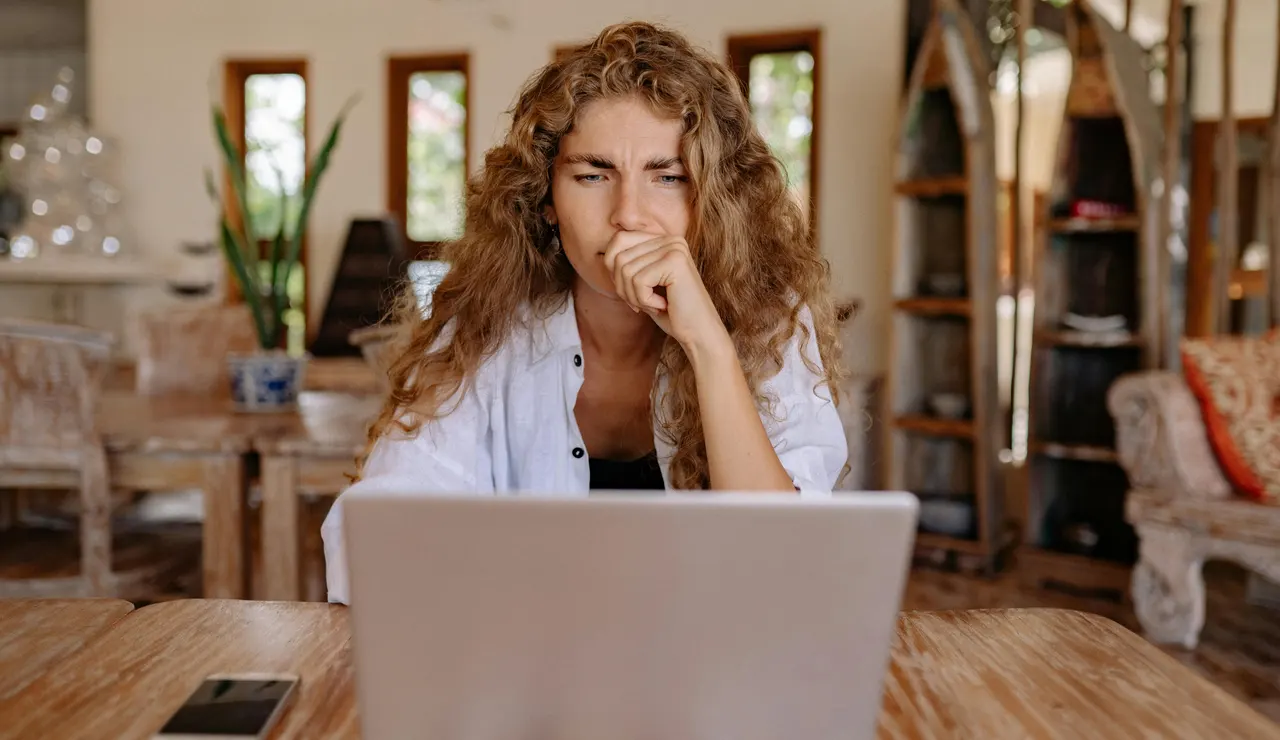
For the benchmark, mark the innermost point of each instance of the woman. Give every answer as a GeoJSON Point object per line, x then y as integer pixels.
{"type": "Point", "coordinates": [636, 303]}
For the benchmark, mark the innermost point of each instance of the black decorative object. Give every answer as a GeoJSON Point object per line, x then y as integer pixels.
{"type": "Point", "coordinates": [370, 272]}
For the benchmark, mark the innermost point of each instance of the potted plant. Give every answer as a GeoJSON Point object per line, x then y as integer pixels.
{"type": "Point", "coordinates": [270, 378]}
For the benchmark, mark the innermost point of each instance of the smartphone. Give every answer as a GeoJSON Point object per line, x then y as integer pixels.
{"type": "Point", "coordinates": [242, 706]}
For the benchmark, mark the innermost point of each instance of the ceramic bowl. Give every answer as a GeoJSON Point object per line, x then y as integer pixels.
{"type": "Point", "coordinates": [950, 517]}
{"type": "Point", "coordinates": [945, 283]}
{"type": "Point", "coordinates": [949, 405]}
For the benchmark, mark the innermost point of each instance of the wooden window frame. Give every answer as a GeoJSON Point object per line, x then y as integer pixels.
{"type": "Point", "coordinates": [742, 47]}
{"type": "Point", "coordinates": [399, 70]}
{"type": "Point", "coordinates": [1200, 310]}
{"type": "Point", "coordinates": [236, 74]}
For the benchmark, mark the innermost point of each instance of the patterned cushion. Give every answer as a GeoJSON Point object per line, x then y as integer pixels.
{"type": "Point", "coordinates": [1236, 381]}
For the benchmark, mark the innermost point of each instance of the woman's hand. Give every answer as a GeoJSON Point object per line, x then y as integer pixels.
{"type": "Point", "coordinates": [655, 274]}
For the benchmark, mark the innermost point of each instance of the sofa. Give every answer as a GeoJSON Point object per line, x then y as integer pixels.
{"type": "Point", "coordinates": [1202, 454]}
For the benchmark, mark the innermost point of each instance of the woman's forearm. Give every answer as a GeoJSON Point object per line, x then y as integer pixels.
{"type": "Point", "coordinates": [739, 453]}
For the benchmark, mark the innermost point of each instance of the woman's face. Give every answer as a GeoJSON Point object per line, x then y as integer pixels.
{"type": "Point", "coordinates": [619, 169]}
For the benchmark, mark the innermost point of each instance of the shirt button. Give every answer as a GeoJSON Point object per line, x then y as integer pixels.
{"type": "Point", "coordinates": [578, 452]}
{"type": "Point", "coordinates": [577, 360]}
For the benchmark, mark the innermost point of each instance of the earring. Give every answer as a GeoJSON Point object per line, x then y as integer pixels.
{"type": "Point", "coordinates": [555, 238]}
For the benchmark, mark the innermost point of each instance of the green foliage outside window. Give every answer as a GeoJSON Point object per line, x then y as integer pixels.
{"type": "Point", "coordinates": [781, 94]}
{"type": "Point", "coordinates": [437, 155]}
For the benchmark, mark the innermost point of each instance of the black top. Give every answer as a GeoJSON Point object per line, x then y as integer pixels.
{"type": "Point", "coordinates": [642, 474]}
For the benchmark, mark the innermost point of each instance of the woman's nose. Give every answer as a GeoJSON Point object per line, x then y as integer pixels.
{"type": "Point", "coordinates": [628, 210]}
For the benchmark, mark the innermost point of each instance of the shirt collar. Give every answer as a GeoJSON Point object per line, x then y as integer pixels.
{"type": "Point", "coordinates": [556, 333]}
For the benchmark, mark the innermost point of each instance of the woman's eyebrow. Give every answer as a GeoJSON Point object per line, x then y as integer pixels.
{"type": "Point", "coordinates": [599, 161]}
{"type": "Point", "coordinates": [663, 163]}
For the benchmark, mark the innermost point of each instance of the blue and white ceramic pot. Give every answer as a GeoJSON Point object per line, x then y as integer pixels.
{"type": "Point", "coordinates": [266, 381]}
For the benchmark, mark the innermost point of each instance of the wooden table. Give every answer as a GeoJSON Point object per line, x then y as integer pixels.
{"type": "Point", "coordinates": [1048, 673]}
{"type": "Point", "coordinates": [982, 674]}
{"type": "Point", "coordinates": [126, 684]}
{"type": "Point", "coordinates": [341, 374]}
{"type": "Point", "coordinates": [311, 458]}
{"type": "Point", "coordinates": [170, 443]}
{"type": "Point", "coordinates": [35, 634]}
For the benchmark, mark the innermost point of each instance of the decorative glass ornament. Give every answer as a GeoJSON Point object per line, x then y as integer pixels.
{"type": "Point", "coordinates": [66, 176]}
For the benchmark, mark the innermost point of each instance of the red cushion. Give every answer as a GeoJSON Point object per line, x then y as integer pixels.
{"type": "Point", "coordinates": [1236, 381]}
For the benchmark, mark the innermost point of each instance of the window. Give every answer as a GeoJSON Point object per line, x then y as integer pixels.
{"type": "Point", "coordinates": [427, 147]}
{"type": "Point", "coordinates": [266, 106]}
{"type": "Point", "coordinates": [780, 75]}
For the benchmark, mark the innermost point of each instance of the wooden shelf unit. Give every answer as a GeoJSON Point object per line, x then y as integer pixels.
{"type": "Point", "coordinates": [1094, 225]}
{"type": "Point", "coordinates": [945, 286]}
{"type": "Point", "coordinates": [1076, 338]}
{"type": "Point", "coordinates": [934, 306]}
{"type": "Point", "coordinates": [933, 186]}
{"type": "Point", "coordinates": [1108, 153]}
{"type": "Point", "coordinates": [935, 427]}
{"type": "Point", "coordinates": [69, 270]}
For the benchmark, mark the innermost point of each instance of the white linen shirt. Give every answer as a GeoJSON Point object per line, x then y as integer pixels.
{"type": "Point", "coordinates": [514, 431]}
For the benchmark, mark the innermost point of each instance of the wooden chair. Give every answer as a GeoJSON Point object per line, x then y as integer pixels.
{"type": "Point", "coordinates": [49, 383]}
{"type": "Point", "coordinates": [378, 345]}
{"type": "Point", "coordinates": [184, 350]}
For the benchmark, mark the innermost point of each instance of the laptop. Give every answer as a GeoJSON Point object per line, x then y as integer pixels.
{"type": "Point", "coordinates": [628, 617]}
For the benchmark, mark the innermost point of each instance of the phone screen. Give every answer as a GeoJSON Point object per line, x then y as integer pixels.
{"type": "Point", "coordinates": [228, 706]}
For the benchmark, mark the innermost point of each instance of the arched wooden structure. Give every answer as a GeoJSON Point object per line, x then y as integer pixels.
{"type": "Point", "coordinates": [1104, 307]}
{"type": "Point", "coordinates": [1273, 160]}
{"type": "Point", "coordinates": [943, 423]}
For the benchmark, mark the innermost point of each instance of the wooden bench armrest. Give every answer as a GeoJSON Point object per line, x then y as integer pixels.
{"type": "Point", "coordinates": [1161, 438]}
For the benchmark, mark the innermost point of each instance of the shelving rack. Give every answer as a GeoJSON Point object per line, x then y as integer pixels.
{"type": "Point", "coordinates": [1098, 311]}
{"type": "Point", "coordinates": [943, 430]}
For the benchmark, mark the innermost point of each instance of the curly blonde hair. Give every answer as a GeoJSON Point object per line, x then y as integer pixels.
{"type": "Point", "coordinates": [748, 238]}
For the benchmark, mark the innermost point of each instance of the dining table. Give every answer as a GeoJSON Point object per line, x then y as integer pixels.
{"type": "Point", "coordinates": [312, 458]}
{"type": "Point", "coordinates": [176, 442]}
{"type": "Point", "coordinates": [1005, 673]}
{"type": "Point", "coordinates": [36, 634]}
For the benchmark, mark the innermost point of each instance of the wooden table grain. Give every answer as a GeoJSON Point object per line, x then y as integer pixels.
{"type": "Point", "coordinates": [35, 634]}
{"type": "Point", "coordinates": [1047, 673]}
{"type": "Point", "coordinates": [128, 683]}
{"type": "Point", "coordinates": [1035, 673]}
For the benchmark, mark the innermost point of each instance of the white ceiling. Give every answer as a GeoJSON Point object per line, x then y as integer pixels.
{"type": "Point", "coordinates": [42, 24]}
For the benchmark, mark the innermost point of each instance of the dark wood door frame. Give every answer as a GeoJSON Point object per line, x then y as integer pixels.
{"type": "Point", "coordinates": [741, 48]}
{"type": "Point", "coordinates": [400, 69]}
{"type": "Point", "coordinates": [236, 73]}
{"type": "Point", "coordinates": [1200, 253]}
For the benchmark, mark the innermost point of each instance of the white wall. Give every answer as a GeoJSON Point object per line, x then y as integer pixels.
{"type": "Point", "coordinates": [156, 63]}
{"type": "Point", "coordinates": [1254, 59]}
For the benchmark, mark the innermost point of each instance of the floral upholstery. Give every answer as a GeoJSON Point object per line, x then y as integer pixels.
{"type": "Point", "coordinates": [1236, 381]}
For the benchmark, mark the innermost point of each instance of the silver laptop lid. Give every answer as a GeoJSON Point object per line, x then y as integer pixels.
{"type": "Point", "coordinates": [685, 616]}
